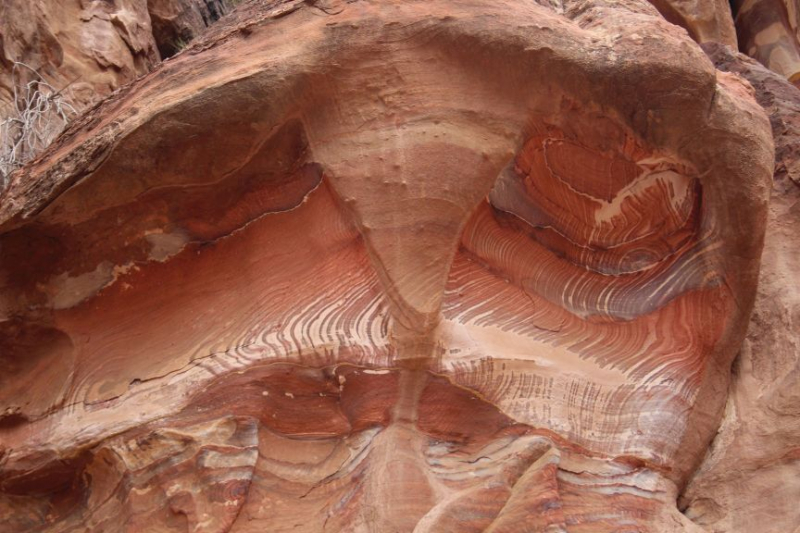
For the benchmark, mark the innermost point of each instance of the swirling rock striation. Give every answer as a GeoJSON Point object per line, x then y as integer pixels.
{"type": "Point", "coordinates": [384, 266]}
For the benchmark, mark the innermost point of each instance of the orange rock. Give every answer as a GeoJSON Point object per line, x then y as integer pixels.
{"type": "Point", "coordinates": [749, 479]}
{"type": "Point", "coordinates": [89, 48]}
{"type": "Point", "coordinates": [86, 48]}
{"type": "Point", "coordinates": [385, 266]}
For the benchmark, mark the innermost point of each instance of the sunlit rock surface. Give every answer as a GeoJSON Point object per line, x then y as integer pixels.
{"type": "Point", "coordinates": [384, 266]}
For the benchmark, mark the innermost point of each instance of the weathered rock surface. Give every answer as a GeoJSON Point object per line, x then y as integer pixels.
{"type": "Point", "coordinates": [769, 31]}
{"type": "Point", "coordinates": [92, 47]}
{"type": "Point", "coordinates": [705, 20]}
{"type": "Point", "coordinates": [384, 266]}
{"type": "Point", "coordinates": [176, 22]}
{"type": "Point", "coordinates": [750, 480]}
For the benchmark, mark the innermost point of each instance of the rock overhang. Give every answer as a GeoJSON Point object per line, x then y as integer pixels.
{"type": "Point", "coordinates": [368, 153]}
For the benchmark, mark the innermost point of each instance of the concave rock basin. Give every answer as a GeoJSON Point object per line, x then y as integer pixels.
{"type": "Point", "coordinates": [384, 266]}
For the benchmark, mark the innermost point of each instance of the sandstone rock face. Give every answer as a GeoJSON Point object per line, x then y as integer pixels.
{"type": "Point", "coordinates": [769, 31]}
{"type": "Point", "coordinates": [757, 445]}
{"type": "Point", "coordinates": [90, 46]}
{"type": "Point", "coordinates": [705, 20]}
{"type": "Point", "coordinates": [94, 46]}
{"type": "Point", "coordinates": [384, 266]}
{"type": "Point", "coordinates": [176, 22]}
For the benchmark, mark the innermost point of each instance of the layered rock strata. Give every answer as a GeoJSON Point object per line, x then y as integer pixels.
{"type": "Point", "coordinates": [384, 266]}
{"type": "Point", "coordinates": [750, 478]}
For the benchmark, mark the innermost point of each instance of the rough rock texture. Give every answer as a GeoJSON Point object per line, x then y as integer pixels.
{"type": "Point", "coordinates": [705, 20]}
{"type": "Point", "coordinates": [769, 31]}
{"type": "Point", "coordinates": [750, 480]}
{"type": "Point", "coordinates": [90, 46]}
{"type": "Point", "coordinates": [94, 46]}
{"type": "Point", "coordinates": [176, 22]}
{"type": "Point", "coordinates": [384, 266]}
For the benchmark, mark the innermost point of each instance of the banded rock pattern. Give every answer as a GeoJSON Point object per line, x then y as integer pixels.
{"type": "Point", "coordinates": [428, 266]}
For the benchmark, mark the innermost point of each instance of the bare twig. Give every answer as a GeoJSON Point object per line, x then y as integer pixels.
{"type": "Point", "coordinates": [39, 114]}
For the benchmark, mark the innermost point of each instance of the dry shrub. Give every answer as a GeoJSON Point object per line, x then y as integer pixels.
{"type": "Point", "coordinates": [38, 114]}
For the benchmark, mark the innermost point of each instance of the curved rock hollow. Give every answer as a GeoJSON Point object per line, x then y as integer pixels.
{"type": "Point", "coordinates": [384, 266]}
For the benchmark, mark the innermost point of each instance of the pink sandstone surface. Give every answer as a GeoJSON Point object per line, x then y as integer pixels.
{"type": "Point", "coordinates": [405, 266]}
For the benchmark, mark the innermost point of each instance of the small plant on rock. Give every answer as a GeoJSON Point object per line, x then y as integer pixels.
{"type": "Point", "coordinates": [39, 113]}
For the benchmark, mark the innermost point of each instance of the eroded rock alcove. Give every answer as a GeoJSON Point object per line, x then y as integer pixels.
{"type": "Point", "coordinates": [384, 266]}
